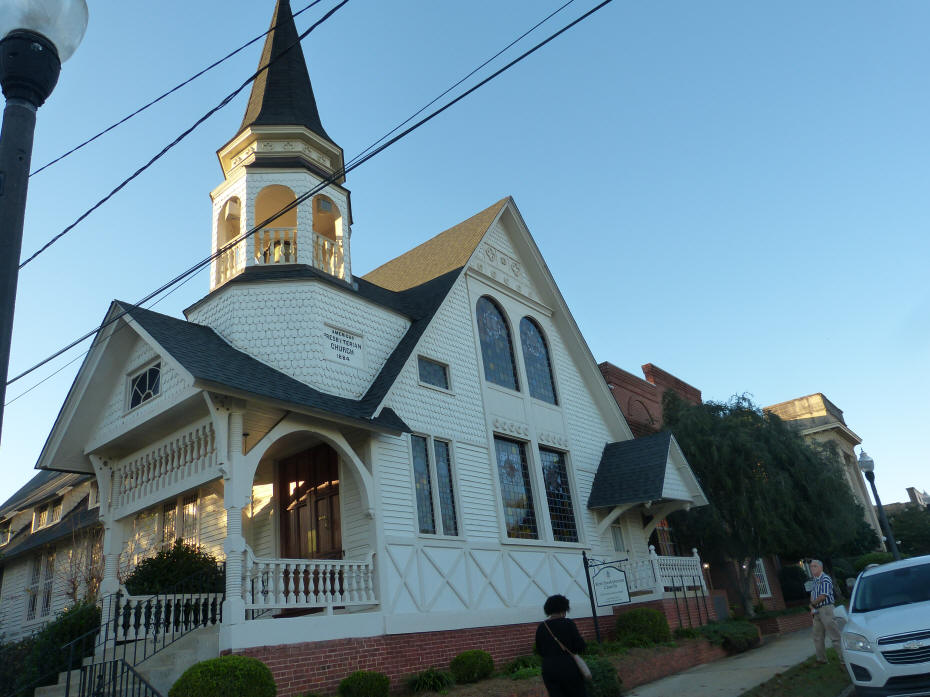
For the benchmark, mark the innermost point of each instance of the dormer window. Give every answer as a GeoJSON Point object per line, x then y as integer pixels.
{"type": "Point", "coordinates": [47, 514]}
{"type": "Point", "coordinates": [5, 532]}
{"type": "Point", "coordinates": [145, 385]}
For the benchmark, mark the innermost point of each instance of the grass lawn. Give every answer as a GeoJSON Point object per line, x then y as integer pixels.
{"type": "Point", "coordinates": [807, 679]}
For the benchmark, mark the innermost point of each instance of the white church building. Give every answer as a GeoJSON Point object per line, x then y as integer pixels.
{"type": "Point", "coordinates": [394, 466]}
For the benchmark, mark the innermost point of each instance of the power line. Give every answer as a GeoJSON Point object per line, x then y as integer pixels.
{"type": "Point", "coordinates": [226, 100]}
{"type": "Point", "coordinates": [166, 94]}
{"type": "Point", "coordinates": [303, 197]}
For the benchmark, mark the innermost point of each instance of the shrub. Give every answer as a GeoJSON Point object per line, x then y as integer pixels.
{"type": "Point", "coordinates": [871, 558]}
{"type": "Point", "coordinates": [226, 676]}
{"type": "Point", "coordinates": [182, 567]}
{"type": "Point", "coordinates": [521, 662]}
{"type": "Point", "coordinates": [604, 679]}
{"type": "Point", "coordinates": [792, 579]}
{"type": "Point", "coordinates": [430, 680]}
{"type": "Point", "coordinates": [364, 683]}
{"type": "Point", "coordinates": [735, 636]}
{"type": "Point", "coordinates": [687, 633]}
{"type": "Point", "coordinates": [642, 627]}
{"type": "Point", "coordinates": [13, 656]}
{"type": "Point", "coordinates": [524, 673]}
{"type": "Point", "coordinates": [472, 666]}
{"type": "Point", "coordinates": [46, 656]}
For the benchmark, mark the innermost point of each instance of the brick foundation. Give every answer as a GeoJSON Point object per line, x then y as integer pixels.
{"type": "Point", "coordinates": [320, 665]}
{"type": "Point", "coordinates": [691, 613]}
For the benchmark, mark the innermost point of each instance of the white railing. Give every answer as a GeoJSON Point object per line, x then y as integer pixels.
{"type": "Point", "coordinates": [640, 575]}
{"type": "Point", "coordinates": [679, 572]}
{"type": "Point", "coordinates": [327, 255]}
{"type": "Point", "coordinates": [173, 460]}
{"type": "Point", "coordinates": [229, 264]}
{"type": "Point", "coordinates": [307, 583]}
{"type": "Point", "coordinates": [276, 245]}
{"type": "Point", "coordinates": [164, 617]}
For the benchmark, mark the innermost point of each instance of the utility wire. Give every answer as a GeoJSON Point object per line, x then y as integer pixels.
{"type": "Point", "coordinates": [168, 93]}
{"type": "Point", "coordinates": [303, 197]}
{"type": "Point", "coordinates": [226, 100]}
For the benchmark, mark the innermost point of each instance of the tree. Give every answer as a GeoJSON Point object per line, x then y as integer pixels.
{"type": "Point", "coordinates": [770, 491]}
{"type": "Point", "coordinates": [911, 527]}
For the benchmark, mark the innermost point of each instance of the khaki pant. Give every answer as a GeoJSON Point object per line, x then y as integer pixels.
{"type": "Point", "coordinates": [825, 623]}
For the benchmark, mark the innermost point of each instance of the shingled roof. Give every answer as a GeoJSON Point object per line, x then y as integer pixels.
{"type": "Point", "coordinates": [631, 471]}
{"type": "Point", "coordinates": [78, 518]}
{"type": "Point", "coordinates": [445, 252]}
{"type": "Point", "coordinates": [282, 95]}
{"type": "Point", "coordinates": [44, 485]}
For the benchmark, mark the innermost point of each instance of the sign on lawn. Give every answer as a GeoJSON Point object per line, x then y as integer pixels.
{"type": "Point", "coordinates": [609, 583]}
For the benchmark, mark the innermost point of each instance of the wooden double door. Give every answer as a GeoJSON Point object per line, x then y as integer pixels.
{"type": "Point", "coordinates": [308, 486]}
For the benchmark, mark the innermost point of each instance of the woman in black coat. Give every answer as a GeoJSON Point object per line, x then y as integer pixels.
{"type": "Point", "coordinates": [559, 671]}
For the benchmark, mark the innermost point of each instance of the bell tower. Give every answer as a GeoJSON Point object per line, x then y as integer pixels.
{"type": "Point", "coordinates": [280, 153]}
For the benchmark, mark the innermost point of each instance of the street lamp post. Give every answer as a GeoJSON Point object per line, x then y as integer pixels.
{"type": "Point", "coordinates": [37, 36]}
{"type": "Point", "coordinates": [867, 465]}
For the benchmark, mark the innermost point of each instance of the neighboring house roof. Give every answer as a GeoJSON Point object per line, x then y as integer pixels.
{"type": "Point", "coordinates": [443, 253]}
{"type": "Point", "coordinates": [42, 486]}
{"type": "Point", "coordinates": [282, 95]}
{"type": "Point", "coordinates": [211, 360]}
{"type": "Point", "coordinates": [78, 518]}
{"type": "Point", "coordinates": [637, 470]}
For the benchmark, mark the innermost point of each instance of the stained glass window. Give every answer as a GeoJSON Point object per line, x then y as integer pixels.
{"type": "Point", "coordinates": [444, 482]}
{"type": "Point", "coordinates": [496, 347]}
{"type": "Point", "coordinates": [433, 373]}
{"type": "Point", "coordinates": [145, 385]}
{"type": "Point", "coordinates": [421, 477]}
{"type": "Point", "coordinates": [516, 490]}
{"type": "Point", "coordinates": [536, 358]}
{"type": "Point", "coordinates": [558, 496]}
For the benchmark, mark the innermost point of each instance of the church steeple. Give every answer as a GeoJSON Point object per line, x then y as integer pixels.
{"type": "Point", "coordinates": [282, 94]}
{"type": "Point", "coordinates": [280, 152]}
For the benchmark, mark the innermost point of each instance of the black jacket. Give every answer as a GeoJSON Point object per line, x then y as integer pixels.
{"type": "Point", "coordinates": [555, 662]}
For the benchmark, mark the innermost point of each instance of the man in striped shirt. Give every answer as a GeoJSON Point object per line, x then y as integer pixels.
{"type": "Point", "coordinates": [821, 607]}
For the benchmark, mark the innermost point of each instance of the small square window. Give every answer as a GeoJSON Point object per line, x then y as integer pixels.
{"type": "Point", "coordinates": [145, 385]}
{"type": "Point", "coordinates": [433, 373]}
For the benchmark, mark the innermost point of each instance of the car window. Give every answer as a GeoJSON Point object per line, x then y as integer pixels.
{"type": "Point", "coordinates": [903, 586]}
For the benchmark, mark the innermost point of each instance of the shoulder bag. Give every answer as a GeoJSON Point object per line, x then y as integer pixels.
{"type": "Point", "coordinates": [579, 661]}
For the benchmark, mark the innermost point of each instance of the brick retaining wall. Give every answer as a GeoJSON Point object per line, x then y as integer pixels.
{"type": "Point", "coordinates": [783, 624]}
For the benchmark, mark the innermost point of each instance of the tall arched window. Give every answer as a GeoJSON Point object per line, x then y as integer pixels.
{"type": "Point", "coordinates": [496, 347]}
{"type": "Point", "coordinates": [536, 359]}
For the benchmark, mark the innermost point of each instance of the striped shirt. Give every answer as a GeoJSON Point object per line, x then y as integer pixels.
{"type": "Point", "coordinates": [823, 585]}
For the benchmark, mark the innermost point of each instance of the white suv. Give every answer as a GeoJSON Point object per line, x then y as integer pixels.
{"type": "Point", "coordinates": [886, 639]}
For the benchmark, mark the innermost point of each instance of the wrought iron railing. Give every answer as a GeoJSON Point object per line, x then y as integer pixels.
{"type": "Point", "coordinates": [117, 678]}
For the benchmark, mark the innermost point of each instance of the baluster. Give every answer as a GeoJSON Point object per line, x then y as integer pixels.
{"type": "Point", "coordinates": [277, 582]}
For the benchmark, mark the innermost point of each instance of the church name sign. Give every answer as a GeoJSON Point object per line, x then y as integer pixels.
{"type": "Point", "coordinates": [343, 347]}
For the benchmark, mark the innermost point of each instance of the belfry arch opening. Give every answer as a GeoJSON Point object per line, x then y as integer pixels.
{"type": "Point", "coordinates": [276, 242]}
{"type": "Point", "coordinates": [327, 219]}
{"type": "Point", "coordinates": [327, 236]}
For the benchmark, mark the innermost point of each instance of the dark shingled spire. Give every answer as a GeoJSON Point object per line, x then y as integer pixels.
{"type": "Point", "coordinates": [282, 94]}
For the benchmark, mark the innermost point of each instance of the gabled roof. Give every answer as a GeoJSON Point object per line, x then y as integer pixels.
{"type": "Point", "coordinates": [42, 486]}
{"type": "Point", "coordinates": [214, 363]}
{"type": "Point", "coordinates": [78, 518]}
{"type": "Point", "coordinates": [282, 95]}
{"type": "Point", "coordinates": [635, 471]}
{"type": "Point", "coordinates": [445, 252]}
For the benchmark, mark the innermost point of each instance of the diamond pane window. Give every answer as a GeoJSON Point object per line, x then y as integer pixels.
{"type": "Point", "coordinates": [145, 385]}
{"type": "Point", "coordinates": [444, 482]}
{"type": "Point", "coordinates": [433, 373]}
{"type": "Point", "coordinates": [516, 490]}
{"type": "Point", "coordinates": [496, 346]}
{"type": "Point", "coordinates": [421, 477]}
{"type": "Point", "coordinates": [536, 358]}
{"type": "Point", "coordinates": [558, 496]}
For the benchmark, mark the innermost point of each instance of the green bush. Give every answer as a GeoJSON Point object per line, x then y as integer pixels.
{"type": "Point", "coordinates": [364, 683]}
{"type": "Point", "coordinates": [871, 558]}
{"type": "Point", "coordinates": [430, 680]}
{"type": "Point", "coordinates": [604, 648]}
{"type": "Point", "coordinates": [687, 633]}
{"type": "Point", "coordinates": [46, 657]}
{"type": "Point", "coordinates": [226, 676]}
{"type": "Point", "coordinates": [182, 567]}
{"type": "Point", "coordinates": [604, 679]}
{"type": "Point", "coordinates": [735, 636]}
{"type": "Point", "coordinates": [472, 666]}
{"type": "Point", "coordinates": [792, 579]}
{"type": "Point", "coordinates": [521, 662]}
{"type": "Point", "coordinates": [524, 673]}
{"type": "Point", "coordinates": [13, 656]}
{"type": "Point", "coordinates": [642, 627]}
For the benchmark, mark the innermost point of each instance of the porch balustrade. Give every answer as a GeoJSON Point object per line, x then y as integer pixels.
{"type": "Point", "coordinates": [659, 574]}
{"type": "Point", "coordinates": [272, 584]}
{"type": "Point", "coordinates": [678, 572]}
{"type": "Point", "coordinates": [161, 618]}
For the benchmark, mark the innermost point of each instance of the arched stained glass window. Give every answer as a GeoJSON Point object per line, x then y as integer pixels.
{"type": "Point", "coordinates": [536, 359]}
{"type": "Point", "coordinates": [496, 347]}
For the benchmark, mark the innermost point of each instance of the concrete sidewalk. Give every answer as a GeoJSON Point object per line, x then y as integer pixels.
{"type": "Point", "coordinates": [731, 676]}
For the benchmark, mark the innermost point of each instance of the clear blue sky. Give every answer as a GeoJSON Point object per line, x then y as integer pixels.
{"type": "Point", "coordinates": [736, 192]}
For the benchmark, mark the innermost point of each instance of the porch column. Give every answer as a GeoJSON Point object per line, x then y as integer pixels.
{"type": "Point", "coordinates": [234, 545]}
{"type": "Point", "coordinates": [654, 559]}
{"type": "Point", "coordinates": [108, 486]}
